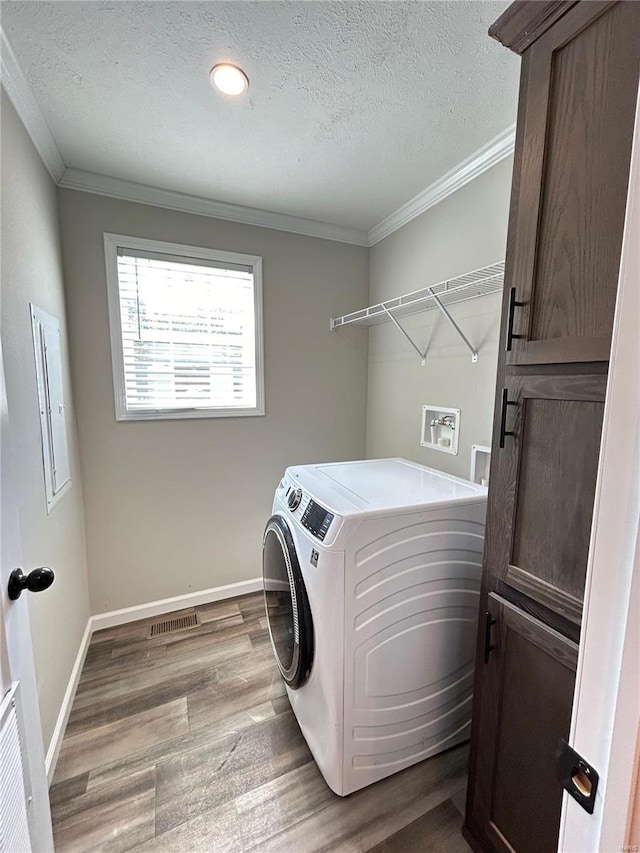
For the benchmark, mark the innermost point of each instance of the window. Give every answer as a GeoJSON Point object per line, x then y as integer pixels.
{"type": "Point", "coordinates": [186, 330]}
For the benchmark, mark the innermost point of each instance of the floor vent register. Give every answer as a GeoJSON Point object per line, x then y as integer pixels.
{"type": "Point", "coordinates": [171, 626]}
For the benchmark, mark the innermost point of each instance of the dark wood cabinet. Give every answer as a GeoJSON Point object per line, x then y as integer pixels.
{"type": "Point", "coordinates": [528, 683]}
{"type": "Point", "coordinates": [578, 92]}
{"type": "Point", "coordinates": [545, 479]}
{"type": "Point", "coordinates": [579, 84]}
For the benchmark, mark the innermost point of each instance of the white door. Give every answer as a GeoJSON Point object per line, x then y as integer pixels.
{"type": "Point", "coordinates": [19, 709]}
{"type": "Point", "coordinates": [606, 708]}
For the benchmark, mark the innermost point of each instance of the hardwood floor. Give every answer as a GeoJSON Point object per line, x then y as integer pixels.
{"type": "Point", "coordinates": [186, 742]}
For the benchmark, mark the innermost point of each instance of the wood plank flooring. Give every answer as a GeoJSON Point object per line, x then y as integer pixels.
{"type": "Point", "coordinates": [187, 742]}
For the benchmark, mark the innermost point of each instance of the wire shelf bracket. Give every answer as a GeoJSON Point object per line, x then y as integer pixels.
{"type": "Point", "coordinates": [480, 282]}
{"type": "Point", "coordinates": [423, 355]}
{"type": "Point", "coordinates": [445, 313]}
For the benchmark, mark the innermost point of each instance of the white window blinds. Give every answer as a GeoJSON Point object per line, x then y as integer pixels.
{"type": "Point", "coordinates": [188, 334]}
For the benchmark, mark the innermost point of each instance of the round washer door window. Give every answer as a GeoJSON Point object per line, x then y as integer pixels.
{"type": "Point", "coordinates": [287, 605]}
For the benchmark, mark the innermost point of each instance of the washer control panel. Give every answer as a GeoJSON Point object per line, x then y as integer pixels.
{"type": "Point", "coordinates": [316, 519]}
{"type": "Point", "coordinates": [294, 496]}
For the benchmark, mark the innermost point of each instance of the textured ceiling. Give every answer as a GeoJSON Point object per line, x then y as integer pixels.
{"type": "Point", "coordinates": [353, 107]}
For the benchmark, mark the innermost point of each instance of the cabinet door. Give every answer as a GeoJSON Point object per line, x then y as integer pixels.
{"type": "Point", "coordinates": [524, 709]}
{"type": "Point", "coordinates": [543, 485]}
{"type": "Point", "coordinates": [580, 81]}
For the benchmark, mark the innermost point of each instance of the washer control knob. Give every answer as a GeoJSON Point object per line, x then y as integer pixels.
{"type": "Point", "coordinates": [293, 501]}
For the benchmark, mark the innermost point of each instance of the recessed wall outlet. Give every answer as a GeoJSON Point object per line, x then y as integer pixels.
{"type": "Point", "coordinates": [440, 429]}
{"type": "Point", "coordinates": [480, 463]}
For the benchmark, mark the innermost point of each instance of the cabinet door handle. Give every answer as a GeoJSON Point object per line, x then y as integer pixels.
{"type": "Point", "coordinates": [503, 416]}
{"type": "Point", "coordinates": [513, 304]}
{"type": "Point", "coordinates": [489, 621]}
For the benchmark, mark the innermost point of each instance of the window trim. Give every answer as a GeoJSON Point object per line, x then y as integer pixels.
{"type": "Point", "coordinates": [113, 242]}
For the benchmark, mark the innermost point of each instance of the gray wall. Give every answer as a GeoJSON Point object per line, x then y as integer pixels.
{"type": "Point", "coordinates": [180, 505]}
{"type": "Point", "coordinates": [465, 231]}
{"type": "Point", "coordinates": [32, 272]}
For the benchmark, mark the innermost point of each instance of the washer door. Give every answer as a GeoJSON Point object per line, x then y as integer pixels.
{"type": "Point", "coordinates": [287, 605]}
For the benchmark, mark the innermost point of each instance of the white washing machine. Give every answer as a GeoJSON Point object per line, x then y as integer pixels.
{"type": "Point", "coordinates": [372, 579]}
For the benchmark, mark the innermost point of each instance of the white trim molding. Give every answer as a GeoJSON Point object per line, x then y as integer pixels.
{"type": "Point", "coordinates": [67, 702]}
{"type": "Point", "coordinates": [90, 182]}
{"type": "Point", "coordinates": [480, 161]}
{"type": "Point", "coordinates": [178, 602]}
{"type": "Point", "coordinates": [497, 149]}
{"type": "Point", "coordinates": [27, 107]}
{"type": "Point", "coordinates": [122, 617]}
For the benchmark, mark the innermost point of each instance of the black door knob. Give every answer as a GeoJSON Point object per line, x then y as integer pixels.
{"type": "Point", "coordinates": [35, 581]}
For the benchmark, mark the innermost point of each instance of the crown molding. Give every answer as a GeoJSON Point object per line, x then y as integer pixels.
{"type": "Point", "coordinates": [497, 149]}
{"type": "Point", "coordinates": [484, 158]}
{"type": "Point", "coordinates": [27, 107]}
{"type": "Point", "coordinates": [90, 182]}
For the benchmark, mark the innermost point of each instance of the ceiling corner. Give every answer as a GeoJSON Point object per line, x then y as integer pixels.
{"type": "Point", "coordinates": [27, 107]}
{"type": "Point", "coordinates": [497, 149]}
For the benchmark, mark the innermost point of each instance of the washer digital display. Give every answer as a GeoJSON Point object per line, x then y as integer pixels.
{"type": "Point", "coordinates": [317, 519]}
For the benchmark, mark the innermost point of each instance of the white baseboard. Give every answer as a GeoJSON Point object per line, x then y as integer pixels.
{"type": "Point", "coordinates": [121, 617]}
{"type": "Point", "coordinates": [65, 709]}
{"type": "Point", "coordinates": [178, 602]}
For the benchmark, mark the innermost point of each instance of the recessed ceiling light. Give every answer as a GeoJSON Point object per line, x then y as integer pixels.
{"type": "Point", "coordinates": [229, 79]}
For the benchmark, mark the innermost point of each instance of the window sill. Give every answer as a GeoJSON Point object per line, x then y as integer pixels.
{"type": "Point", "coordinates": [187, 414]}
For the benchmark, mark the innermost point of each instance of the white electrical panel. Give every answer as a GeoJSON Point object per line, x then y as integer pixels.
{"type": "Point", "coordinates": [48, 356]}
{"type": "Point", "coordinates": [440, 429]}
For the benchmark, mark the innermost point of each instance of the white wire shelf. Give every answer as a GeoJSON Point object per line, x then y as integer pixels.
{"type": "Point", "coordinates": [480, 282]}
